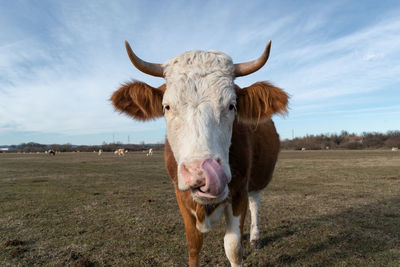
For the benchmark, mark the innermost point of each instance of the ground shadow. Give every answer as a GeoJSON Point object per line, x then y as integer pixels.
{"type": "Point", "coordinates": [357, 232]}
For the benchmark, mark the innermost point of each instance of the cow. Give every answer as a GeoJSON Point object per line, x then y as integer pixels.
{"type": "Point", "coordinates": [150, 152]}
{"type": "Point", "coordinates": [221, 145]}
{"type": "Point", "coordinates": [119, 152]}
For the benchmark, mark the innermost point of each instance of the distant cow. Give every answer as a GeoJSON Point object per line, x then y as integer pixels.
{"type": "Point", "coordinates": [100, 151]}
{"type": "Point", "coordinates": [51, 152]}
{"type": "Point", "coordinates": [119, 152]}
{"type": "Point", "coordinates": [150, 152]}
{"type": "Point", "coordinates": [221, 145]}
{"type": "Point", "coordinates": [395, 148]}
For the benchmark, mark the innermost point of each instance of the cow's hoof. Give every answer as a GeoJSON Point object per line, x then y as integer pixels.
{"type": "Point", "coordinates": [256, 244]}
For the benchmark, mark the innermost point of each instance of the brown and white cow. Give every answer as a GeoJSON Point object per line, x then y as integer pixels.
{"type": "Point", "coordinates": [221, 145]}
{"type": "Point", "coordinates": [119, 152]}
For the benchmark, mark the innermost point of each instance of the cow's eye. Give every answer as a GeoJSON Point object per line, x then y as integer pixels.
{"type": "Point", "coordinates": [166, 107]}
{"type": "Point", "coordinates": [232, 107]}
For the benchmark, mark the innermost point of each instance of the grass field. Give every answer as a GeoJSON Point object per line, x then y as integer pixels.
{"type": "Point", "coordinates": [322, 208]}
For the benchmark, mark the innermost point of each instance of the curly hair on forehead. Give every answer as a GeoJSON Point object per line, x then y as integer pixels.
{"type": "Point", "coordinates": [199, 63]}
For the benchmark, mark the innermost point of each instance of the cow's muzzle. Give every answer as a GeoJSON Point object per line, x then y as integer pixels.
{"type": "Point", "coordinates": [205, 178]}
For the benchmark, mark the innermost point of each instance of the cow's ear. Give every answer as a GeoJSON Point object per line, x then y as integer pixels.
{"type": "Point", "coordinates": [139, 100]}
{"type": "Point", "coordinates": [259, 101]}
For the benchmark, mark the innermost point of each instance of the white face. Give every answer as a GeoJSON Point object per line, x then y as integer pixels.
{"type": "Point", "coordinates": [199, 108]}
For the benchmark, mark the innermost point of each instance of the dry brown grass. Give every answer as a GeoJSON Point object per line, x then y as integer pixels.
{"type": "Point", "coordinates": [78, 209]}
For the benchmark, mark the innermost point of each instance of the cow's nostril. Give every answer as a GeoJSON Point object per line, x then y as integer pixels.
{"type": "Point", "coordinates": [200, 190]}
{"type": "Point", "coordinates": [219, 161]}
{"type": "Point", "coordinates": [193, 175]}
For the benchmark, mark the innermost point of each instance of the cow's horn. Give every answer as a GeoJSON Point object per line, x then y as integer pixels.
{"type": "Point", "coordinates": [242, 69]}
{"type": "Point", "coordinates": [146, 67]}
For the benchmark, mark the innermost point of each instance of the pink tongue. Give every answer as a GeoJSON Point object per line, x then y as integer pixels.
{"type": "Point", "coordinates": [215, 179]}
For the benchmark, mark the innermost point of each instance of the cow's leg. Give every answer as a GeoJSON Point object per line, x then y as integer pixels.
{"type": "Point", "coordinates": [254, 204]}
{"type": "Point", "coordinates": [235, 215]}
{"type": "Point", "coordinates": [232, 238]}
{"type": "Point", "coordinates": [194, 237]}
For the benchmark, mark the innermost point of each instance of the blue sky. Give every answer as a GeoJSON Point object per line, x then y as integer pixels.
{"type": "Point", "coordinates": [60, 61]}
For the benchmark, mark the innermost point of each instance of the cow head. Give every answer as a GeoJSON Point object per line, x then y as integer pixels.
{"type": "Point", "coordinates": [200, 102]}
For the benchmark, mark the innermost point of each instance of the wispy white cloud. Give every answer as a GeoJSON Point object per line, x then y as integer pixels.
{"type": "Point", "coordinates": [358, 63]}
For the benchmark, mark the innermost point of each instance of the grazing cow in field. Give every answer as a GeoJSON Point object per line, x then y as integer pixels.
{"type": "Point", "coordinates": [119, 152]}
{"type": "Point", "coordinates": [100, 151]}
{"type": "Point", "coordinates": [51, 152]}
{"type": "Point", "coordinates": [395, 149]}
{"type": "Point", "coordinates": [221, 145]}
{"type": "Point", "coordinates": [150, 152]}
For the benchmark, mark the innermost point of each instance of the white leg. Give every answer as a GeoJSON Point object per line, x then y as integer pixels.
{"type": "Point", "coordinates": [254, 204]}
{"type": "Point", "coordinates": [232, 245]}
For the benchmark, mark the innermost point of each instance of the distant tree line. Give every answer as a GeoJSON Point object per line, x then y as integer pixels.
{"type": "Point", "coordinates": [344, 140]}
{"type": "Point", "coordinates": [111, 147]}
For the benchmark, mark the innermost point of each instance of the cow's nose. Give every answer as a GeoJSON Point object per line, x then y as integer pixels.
{"type": "Point", "coordinates": [192, 174]}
